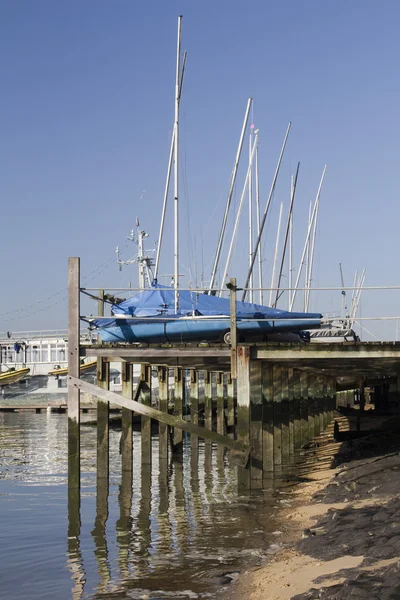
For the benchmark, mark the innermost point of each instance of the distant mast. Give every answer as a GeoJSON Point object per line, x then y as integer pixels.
{"type": "Point", "coordinates": [176, 167]}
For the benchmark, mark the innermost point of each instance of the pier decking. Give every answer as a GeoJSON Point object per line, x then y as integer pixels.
{"type": "Point", "coordinates": [285, 393]}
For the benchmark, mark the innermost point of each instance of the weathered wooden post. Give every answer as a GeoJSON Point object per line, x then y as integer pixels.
{"type": "Point", "coordinates": [285, 416]}
{"type": "Point", "coordinates": [268, 419]}
{"type": "Point", "coordinates": [297, 409]}
{"type": "Point", "coordinates": [304, 406]}
{"type": "Point", "coordinates": [145, 398]}
{"type": "Point", "coordinates": [291, 411]}
{"type": "Point", "coordinates": [163, 406]}
{"type": "Point", "coordinates": [243, 410]}
{"type": "Point", "coordinates": [126, 417]}
{"type": "Point", "coordinates": [103, 408]}
{"type": "Point", "coordinates": [208, 403]}
{"type": "Point", "coordinates": [233, 324]}
{"type": "Point", "coordinates": [194, 406]}
{"type": "Point", "coordinates": [178, 408]}
{"type": "Point", "coordinates": [277, 395]}
{"type": "Point", "coordinates": [256, 424]}
{"type": "Point", "coordinates": [311, 405]}
{"type": "Point", "coordinates": [230, 406]}
{"type": "Point", "coordinates": [220, 403]}
{"type": "Point", "coordinates": [73, 371]}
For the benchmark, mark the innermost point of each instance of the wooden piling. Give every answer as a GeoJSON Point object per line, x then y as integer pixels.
{"type": "Point", "coordinates": [304, 406]}
{"type": "Point", "coordinates": [220, 403]}
{"type": "Point", "coordinates": [291, 411]}
{"type": "Point", "coordinates": [145, 398]}
{"type": "Point", "coordinates": [268, 419]}
{"type": "Point", "coordinates": [311, 405]}
{"type": "Point", "coordinates": [285, 416]}
{"type": "Point", "coordinates": [277, 395]}
{"type": "Point", "coordinates": [208, 403]}
{"type": "Point", "coordinates": [73, 370]}
{"type": "Point", "coordinates": [126, 417]}
{"type": "Point", "coordinates": [163, 373]}
{"type": "Point", "coordinates": [230, 406]}
{"type": "Point", "coordinates": [243, 410]}
{"type": "Point", "coordinates": [297, 408]}
{"type": "Point", "coordinates": [178, 407]}
{"type": "Point", "coordinates": [256, 424]}
{"type": "Point", "coordinates": [103, 409]}
{"type": "Point", "coordinates": [194, 406]}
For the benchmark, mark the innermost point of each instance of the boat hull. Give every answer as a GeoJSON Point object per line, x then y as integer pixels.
{"type": "Point", "coordinates": [13, 376]}
{"type": "Point", "coordinates": [190, 330]}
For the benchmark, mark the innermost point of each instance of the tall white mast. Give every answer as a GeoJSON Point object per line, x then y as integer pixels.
{"type": "Point", "coordinates": [278, 233]}
{"type": "Point", "coordinates": [290, 256]}
{"type": "Point", "coordinates": [176, 170]}
{"type": "Point", "coordinates": [230, 193]}
{"type": "Point", "coordinates": [307, 256]}
{"type": "Point", "coordinates": [292, 196]}
{"type": "Point", "coordinates": [271, 192]}
{"type": "Point", "coordinates": [260, 277]}
{"type": "Point", "coordinates": [228, 260]}
{"type": "Point", "coordinates": [311, 264]}
{"type": "Point", "coordinates": [307, 239]}
{"type": "Point", "coordinates": [171, 157]}
{"type": "Point", "coordinates": [250, 212]}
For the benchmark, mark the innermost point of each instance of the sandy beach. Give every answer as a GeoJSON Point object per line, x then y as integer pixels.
{"type": "Point", "coordinates": [341, 538]}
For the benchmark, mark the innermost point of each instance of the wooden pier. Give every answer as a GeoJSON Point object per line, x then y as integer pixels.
{"type": "Point", "coordinates": [259, 401]}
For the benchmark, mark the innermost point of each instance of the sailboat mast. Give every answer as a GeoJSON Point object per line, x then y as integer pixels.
{"type": "Point", "coordinates": [260, 277]}
{"type": "Point", "coordinates": [290, 256]}
{"type": "Point", "coordinates": [230, 193]}
{"type": "Point", "coordinates": [228, 260]}
{"type": "Point", "coordinates": [271, 192]}
{"type": "Point", "coordinates": [307, 239]}
{"type": "Point", "coordinates": [250, 213]}
{"type": "Point", "coordinates": [307, 256]}
{"type": "Point", "coordinates": [176, 169]}
{"type": "Point", "coordinates": [292, 195]}
{"type": "Point", "coordinates": [171, 158]}
{"type": "Point", "coordinates": [278, 233]}
{"type": "Point", "coordinates": [311, 264]}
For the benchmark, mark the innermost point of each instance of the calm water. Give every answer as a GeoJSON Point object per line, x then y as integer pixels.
{"type": "Point", "coordinates": [169, 534]}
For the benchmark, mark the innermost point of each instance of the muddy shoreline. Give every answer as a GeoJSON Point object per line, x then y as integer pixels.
{"type": "Point", "coordinates": [341, 536]}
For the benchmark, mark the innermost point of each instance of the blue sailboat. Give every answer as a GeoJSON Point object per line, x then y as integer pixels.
{"type": "Point", "coordinates": [150, 317]}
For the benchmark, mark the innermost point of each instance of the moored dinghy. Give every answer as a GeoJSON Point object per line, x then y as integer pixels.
{"type": "Point", "coordinates": [150, 316]}
{"type": "Point", "coordinates": [13, 375]}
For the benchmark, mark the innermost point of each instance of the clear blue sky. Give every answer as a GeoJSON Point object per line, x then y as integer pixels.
{"type": "Point", "coordinates": [86, 112]}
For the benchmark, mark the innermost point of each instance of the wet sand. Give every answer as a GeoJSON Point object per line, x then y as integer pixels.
{"type": "Point", "coordinates": [341, 537]}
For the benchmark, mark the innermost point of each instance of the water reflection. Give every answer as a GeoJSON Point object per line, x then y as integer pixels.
{"type": "Point", "coordinates": [171, 528]}
{"type": "Point", "coordinates": [75, 561]}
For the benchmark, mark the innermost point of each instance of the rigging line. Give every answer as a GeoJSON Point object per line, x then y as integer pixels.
{"type": "Point", "coordinates": [367, 330]}
{"type": "Point", "coordinates": [46, 299]}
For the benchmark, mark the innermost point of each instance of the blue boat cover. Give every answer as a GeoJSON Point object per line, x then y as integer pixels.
{"type": "Point", "coordinates": [159, 302]}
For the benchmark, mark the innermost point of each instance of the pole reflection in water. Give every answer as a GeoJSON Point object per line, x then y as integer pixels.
{"type": "Point", "coordinates": [99, 534]}
{"type": "Point", "coordinates": [125, 522]}
{"type": "Point", "coordinates": [75, 562]}
{"type": "Point", "coordinates": [143, 522]}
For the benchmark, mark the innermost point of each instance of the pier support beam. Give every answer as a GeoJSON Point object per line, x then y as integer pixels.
{"type": "Point", "coordinates": [126, 434]}
{"type": "Point", "coordinates": [304, 407]}
{"type": "Point", "coordinates": [285, 416]}
{"type": "Point", "coordinates": [178, 407]}
{"type": "Point", "coordinates": [103, 412]}
{"type": "Point", "coordinates": [194, 407]}
{"type": "Point", "coordinates": [220, 403]}
{"type": "Point", "coordinates": [145, 398]}
{"type": "Point", "coordinates": [243, 410]}
{"type": "Point", "coordinates": [208, 403]}
{"type": "Point", "coordinates": [230, 406]}
{"type": "Point", "coordinates": [268, 419]}
{"type": "Point", "coordinates": [256, 425]}
{"type": "Point", "coordinates": [162, 373]}
{"type": "Point", "coordinates": [277, 396]}
{"type": "Point", "coordinates": [74, 474]}
{"type": "Point", "coordinates": [297, 409]}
